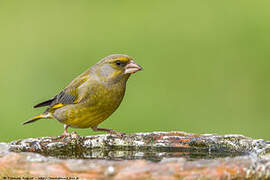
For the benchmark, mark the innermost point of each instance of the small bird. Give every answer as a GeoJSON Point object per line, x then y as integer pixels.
{"type": "Point", "coordinates": [91, 97]}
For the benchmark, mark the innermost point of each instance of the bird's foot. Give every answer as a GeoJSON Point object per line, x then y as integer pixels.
{"type": "Point", "coordinates": [72, 135]}
{"type": "Point", "coordinates": [110, 131]}
{"type": "Point", "coordinates": [65, 134]}
{"type": "Point", "coordinates": [119, 134]}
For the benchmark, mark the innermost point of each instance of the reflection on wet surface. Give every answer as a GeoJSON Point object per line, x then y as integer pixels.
{"type": "Point", "coordinates": [154, 156]}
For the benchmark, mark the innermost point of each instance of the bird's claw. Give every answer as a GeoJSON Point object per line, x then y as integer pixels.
{"type": "Point", "coordinates": [72, 135]}
{"type": "Point", "coordinates": [65, 134]}
{"type": "Point", "coordinates": [119, 134]}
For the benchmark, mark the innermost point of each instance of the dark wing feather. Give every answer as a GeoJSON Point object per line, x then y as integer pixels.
{"type": "Point", "coordinates": [45, 103]}
{"type": "Point", "coordinates": [63, 98]}
{"type": "Point", "coordinates": [69, 94]}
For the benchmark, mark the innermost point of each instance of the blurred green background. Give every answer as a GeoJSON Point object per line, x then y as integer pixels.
{"type": "Point", "coordinates": [206, 63]}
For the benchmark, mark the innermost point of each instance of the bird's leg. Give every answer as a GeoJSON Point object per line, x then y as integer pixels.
{"type": "Point", "coordinates": [110, 131]}
{"type": "Point", "coordinates": [65, 134]}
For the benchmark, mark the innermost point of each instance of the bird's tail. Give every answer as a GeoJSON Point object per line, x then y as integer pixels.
{"type": "Point", "coordinates": [45, 115]}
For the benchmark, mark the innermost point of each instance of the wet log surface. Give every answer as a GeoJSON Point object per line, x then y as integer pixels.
{"type": "Point", "coordinates": [157, 155]}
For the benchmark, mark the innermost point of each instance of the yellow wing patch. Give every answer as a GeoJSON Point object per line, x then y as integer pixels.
{"type": "Point", "coordinates": [57, 106]}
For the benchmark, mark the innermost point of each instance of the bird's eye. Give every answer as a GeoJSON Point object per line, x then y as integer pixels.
{"type": "Point", "coordinates": [118, 63]}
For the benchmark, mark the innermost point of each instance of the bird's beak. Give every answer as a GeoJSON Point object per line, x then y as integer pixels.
{"type": "Point", "coordinates": [132, 67]}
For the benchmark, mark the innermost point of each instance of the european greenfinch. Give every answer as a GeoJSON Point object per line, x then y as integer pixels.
{"type": "Point", "coordinates": [93, 96]}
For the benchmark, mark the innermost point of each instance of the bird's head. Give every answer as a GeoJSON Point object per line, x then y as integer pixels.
{"type": "Point", "coordinates": [116, 67]}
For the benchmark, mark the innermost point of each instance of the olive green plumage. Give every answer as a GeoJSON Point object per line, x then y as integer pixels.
{"type": "Point", "coordinates": [93, 96]}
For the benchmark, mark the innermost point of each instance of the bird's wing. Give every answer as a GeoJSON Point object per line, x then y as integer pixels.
{"type": "Point", "coordinates": [69, 95]}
